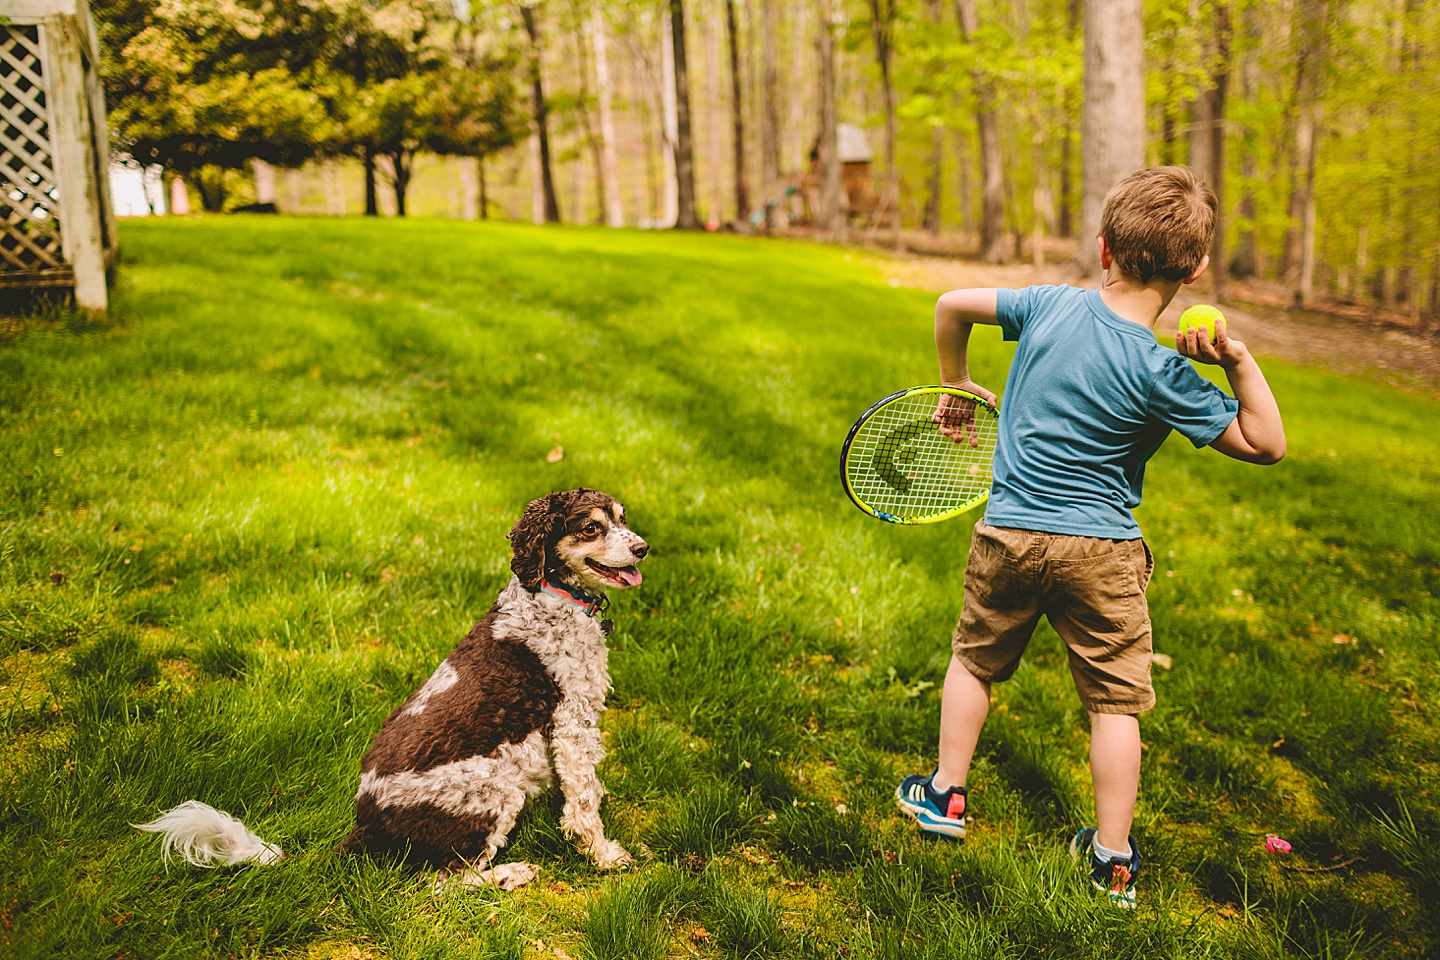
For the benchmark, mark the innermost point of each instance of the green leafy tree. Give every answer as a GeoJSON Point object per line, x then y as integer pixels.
{"type": "Point", "coordinates": [444, 108]}
{"type": "Point", "coordinates": [203, 86]}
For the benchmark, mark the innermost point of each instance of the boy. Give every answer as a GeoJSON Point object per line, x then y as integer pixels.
{"type": "Point", "coordinates": [1091, 397]}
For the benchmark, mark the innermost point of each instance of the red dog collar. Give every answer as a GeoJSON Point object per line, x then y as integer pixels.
{"type": "Point", "coordinates": [591, 605]}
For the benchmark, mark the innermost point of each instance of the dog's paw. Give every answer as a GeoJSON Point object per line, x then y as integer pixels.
{"type": "Point", "coordinates": [608, 855]}
{"type": "Point", "coordinates": [507, 876]}
{"type": "Point", "coordinates": [512, 876]}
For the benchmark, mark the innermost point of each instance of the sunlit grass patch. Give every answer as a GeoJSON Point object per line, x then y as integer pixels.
{"type": "Point", "coordinates": [245, 517]}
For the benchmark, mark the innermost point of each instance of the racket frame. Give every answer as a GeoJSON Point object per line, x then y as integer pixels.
{"type": "Point", "coordinates": [937, 390]}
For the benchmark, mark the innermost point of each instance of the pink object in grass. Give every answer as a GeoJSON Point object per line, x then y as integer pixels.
{"type": "Point", "coordinates": [1276, 845]}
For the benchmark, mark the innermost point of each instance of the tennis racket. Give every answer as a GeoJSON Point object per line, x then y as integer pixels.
{"type": "Point", "coordinates": [918, 457]}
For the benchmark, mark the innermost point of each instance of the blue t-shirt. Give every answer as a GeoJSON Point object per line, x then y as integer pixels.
{"type": "Point", "coordinates": [1091, 397]}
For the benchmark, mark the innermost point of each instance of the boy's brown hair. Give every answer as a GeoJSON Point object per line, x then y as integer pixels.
{"type": "Point", "coordinates": [1159, 223]}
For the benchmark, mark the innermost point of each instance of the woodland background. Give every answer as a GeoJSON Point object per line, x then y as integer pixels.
{"type": "Point", "coordinates": [1310, 117]}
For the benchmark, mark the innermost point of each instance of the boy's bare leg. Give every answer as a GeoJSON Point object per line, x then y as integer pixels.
{"type": "Point", "coordinates": [1115, 769]}
{"type": "Point", "coordinates": [963, 707]}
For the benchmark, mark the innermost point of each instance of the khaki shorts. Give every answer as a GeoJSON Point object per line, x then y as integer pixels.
{"type": "Point", "coordinates": [1093, 592]}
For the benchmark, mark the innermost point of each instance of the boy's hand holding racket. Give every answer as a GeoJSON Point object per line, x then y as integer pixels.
{"type": "Point", "coordinates": [956, 415]}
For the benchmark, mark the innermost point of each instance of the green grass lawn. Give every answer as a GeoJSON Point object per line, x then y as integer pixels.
{"type": "Point", "coordinates": [244, 517]}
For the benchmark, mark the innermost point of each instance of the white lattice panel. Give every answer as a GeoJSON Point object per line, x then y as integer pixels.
{"type": "Point", "coordinates": [29, 195]}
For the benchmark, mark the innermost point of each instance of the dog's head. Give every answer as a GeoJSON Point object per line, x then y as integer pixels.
{"type": "Point", "coordinates": [578, 538]}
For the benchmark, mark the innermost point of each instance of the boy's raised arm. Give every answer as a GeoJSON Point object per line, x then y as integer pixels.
{"type": "Point", "coordinates": [1256, 435]}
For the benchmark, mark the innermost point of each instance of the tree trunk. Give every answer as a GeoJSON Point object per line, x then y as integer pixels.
{"type": "Point", "coordinates": [1361, 286]}
{"type": "Point", "coordinates": [684, 157]}
{"type": "Point", "coordinates": [714, 115]}
{"type": "Point", "coordinates": [1305, 288]}
{"type": "Point", "coordinates": [882, 28]}
{"type": "Point", "coordinates": [1221, 79]}
{"type": "Point", "coordinates": [832, 218]}
{"type": "Point", "coordinates": [742, 201]}
{"type": "Point", "coordinates": [578, 186]}
{"type": "Point", "coordinates": [670, 122]}
{"type": "Point", "coordinates": [1411, 66]}
{"type": "Point", "coordinates": [551, 212]}
{"type": "Point", "coordinates": [210, 182]}
{"type": "Point", "coordinates": [1066, 225]}
{"type": "Point", "coordinates": [935, 192]}
{"type": "Point", "coordinates": [770, 118]}
{"type": "Point", "coordinates": [1169, 139]}
{"type": "Point", "coordinates": [1304, 145]}
{"type": "Point", "coordinates": [400, 163]}
{"type": "Point", "coordinates": [1246, 260]}
{"type": "Point", "coordinates": [614, 211]}
{"type": "Point", "coordinates": [1201, 122]}
{"type": "Point", "coordinates": [1038, 120]}
{"type": "Point", "coordinates": [372, 197]}
{"type": "Point", "coordinates": [992, 162]}
{"type": "Point", "coordinates": [937, 169]}
{"type": "Point", "coordinates": [645, 102]}
{"type": "Point", "coordinates": [484, 191]}
{"type": "Point", "coordinates": [537, 182]}
{"type": "Point", "coordinates": [1196, 153]}
{"type": "Point", "coordinates": [967, 200]}
{"type": "Point", "coordinates": [587, 126]}
{"type": "Point", "coordinates": [798, 131]}
{"type": "Point", "coordinates": [1113, 119]}
{"type": "Point", "coordinates": [1041, 197]}
{"type": "Point", "coordinates": [1313, 28]}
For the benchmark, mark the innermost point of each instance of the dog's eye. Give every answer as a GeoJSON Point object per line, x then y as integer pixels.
{"type": "Point", "coordinates": [592, 528]}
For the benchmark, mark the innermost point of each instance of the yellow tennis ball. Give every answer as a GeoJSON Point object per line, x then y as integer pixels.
{"type": "Point", "coordinates": [1202, 316]}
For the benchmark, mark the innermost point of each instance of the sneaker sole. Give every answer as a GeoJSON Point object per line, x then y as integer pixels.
{"type": "Point", "coordinates": [929, 823]}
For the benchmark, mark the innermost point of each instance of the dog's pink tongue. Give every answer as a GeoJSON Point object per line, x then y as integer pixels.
{"type": "Point", "coordinates": [630, 575]}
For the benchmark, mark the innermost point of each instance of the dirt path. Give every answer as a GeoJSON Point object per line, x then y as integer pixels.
{"type": "Point", "coordinates": [1387, 353]}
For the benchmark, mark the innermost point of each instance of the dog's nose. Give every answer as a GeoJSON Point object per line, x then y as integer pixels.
{"type": "Point", "coordinates": [640, 548]}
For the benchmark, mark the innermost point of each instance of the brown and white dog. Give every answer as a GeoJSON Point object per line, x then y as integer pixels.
{"type": "Point", "coordinates": [453, 766]}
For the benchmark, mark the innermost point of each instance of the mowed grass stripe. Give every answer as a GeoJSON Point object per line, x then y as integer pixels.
{"type": "Point", "coordinates": [244, 517]}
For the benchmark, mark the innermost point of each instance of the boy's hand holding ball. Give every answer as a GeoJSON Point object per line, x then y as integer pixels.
{"type": "Point", "coordinates": [1204, 317]}
{"type": "Point", "coordinates": [1203, 337]}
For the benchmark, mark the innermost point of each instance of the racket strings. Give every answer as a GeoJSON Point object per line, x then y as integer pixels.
{"type": "Point", "coordinates": [900, 463]}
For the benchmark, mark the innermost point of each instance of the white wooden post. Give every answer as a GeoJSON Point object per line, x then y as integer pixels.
{"type": "Point", "coordinates": [56, 193]}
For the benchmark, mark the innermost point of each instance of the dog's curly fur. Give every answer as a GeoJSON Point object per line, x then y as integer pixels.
{"type": "Point", "coordinates": [536, 533]}
{"type": "Point", "coordinates": [519, 697]}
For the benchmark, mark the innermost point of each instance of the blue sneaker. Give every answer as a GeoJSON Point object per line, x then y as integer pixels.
{"type": "Point", "coordinates": [1116, 878]}
{"type": "Point", "coordinates": [942, 814]}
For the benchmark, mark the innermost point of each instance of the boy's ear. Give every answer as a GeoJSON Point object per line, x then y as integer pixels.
{"type": "Point", "coordinates": [1106, 257]}
{"type": "Point", "coordinates": [1204, 262]}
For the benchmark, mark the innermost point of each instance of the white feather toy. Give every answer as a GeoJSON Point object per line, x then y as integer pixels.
{"type": "Point", "coordinates": [205, 837]}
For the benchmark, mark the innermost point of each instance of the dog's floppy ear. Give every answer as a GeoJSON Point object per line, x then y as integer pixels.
{"type": "Point", "coordinates": [533, 535]}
